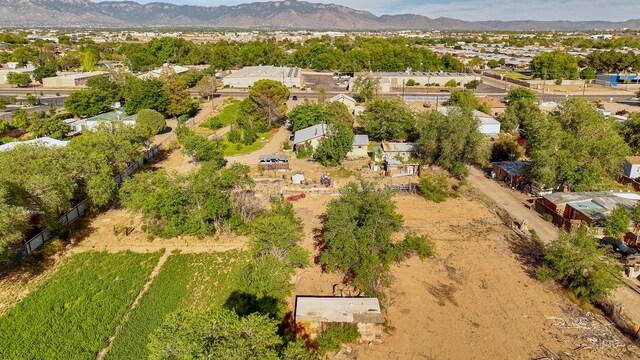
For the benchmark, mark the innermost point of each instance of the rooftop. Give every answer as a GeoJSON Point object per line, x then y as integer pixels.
{"type": "Point", "coordinates": [265, 71]}
{"type": "Point", "coordinates": [46, 141]}
{"type": "Point", "coordinates": [83, 75]}
{"type": "Point", "coordinates": [361, 140]}
{"type": "Point", "coordinates": [338, 309]}
{"type": "Point", "coordinates": [342, 96]}
{"type": "Point", "coordinates": [485, 119]}
{"type": "Point", "coordinates": [560, 198]}
{"type": "Point", "coordinates": [309, 133]}
{"type": "Point", "coordinates": [513, 168]}
{"type": "Point", "coordinates": [397, 146]}
{"type": "Point", "coordinates": [633, 159]}
{"type": "Point", "coordinates": [113, 116]}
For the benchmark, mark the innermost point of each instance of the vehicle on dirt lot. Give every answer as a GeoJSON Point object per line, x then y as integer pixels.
{"type": "Point", "coordinates": [618, 246]}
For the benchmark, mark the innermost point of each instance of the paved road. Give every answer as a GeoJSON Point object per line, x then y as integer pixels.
{"type": "Point", "coordinates": [513, 203]}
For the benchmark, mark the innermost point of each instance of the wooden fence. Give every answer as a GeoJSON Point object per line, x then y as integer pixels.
{"type": "Point", "coordinates": [65, 220]}
{"type": "Point", "coordinates": [557, 219]}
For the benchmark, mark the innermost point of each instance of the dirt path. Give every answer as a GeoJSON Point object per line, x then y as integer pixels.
{"type": "Point", "coordinates": [513, 203]}
{"type": "Point", "coordinates": [271, 147]}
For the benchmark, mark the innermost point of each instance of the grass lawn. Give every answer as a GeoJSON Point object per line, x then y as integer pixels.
{"type": "Point", "coordinates": [228, 114]}
{"type": "Point", "coordinates": [237, 149]}
{"type": "Point", "coordinates": [72, 314]}
{"type": "Point", "coordinates": [186, 281]}
{"type": "Point", "coordinates": [515, 75]}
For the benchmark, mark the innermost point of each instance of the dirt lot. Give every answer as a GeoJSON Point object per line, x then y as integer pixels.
{"type": "Point", "coordinates": [475, 300]}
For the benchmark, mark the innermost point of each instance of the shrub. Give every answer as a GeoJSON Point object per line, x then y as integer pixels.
{"type": "Point", "coordinates": [234, 135]}
{"type": "Point", "coordinates": [435, 187]}
{"type": "Point", "coordinates": [335, 335]}
{"type": "Point", "coordinates": [411, 82]}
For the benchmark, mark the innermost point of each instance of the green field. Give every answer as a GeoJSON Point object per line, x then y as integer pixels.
{"type": "Point", "coordinates": [237, 149]}
{"type": "Point", "coordinates": [75, 311]}
{"type": "Point", "coordinates": [228, 114]}
{"type": "Point", "coordinates": [185, 281]}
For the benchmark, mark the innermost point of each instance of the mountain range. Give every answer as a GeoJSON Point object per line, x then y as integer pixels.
{"type": "Point", "coordinates": [290, 14]}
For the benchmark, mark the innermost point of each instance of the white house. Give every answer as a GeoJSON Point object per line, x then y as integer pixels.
{"type": "Point", "coordinates": [488, 124]}
{"type": "Point", "coordinates": [632, 167]}
{"type": "Point", "coordinates": [397, 150]}
{"type": "Point", "coordinates": [345, 99]}
{"type": "Point", "coordinates": [311, 135]}
{"type": "Point", "coordinates": [46, 141]}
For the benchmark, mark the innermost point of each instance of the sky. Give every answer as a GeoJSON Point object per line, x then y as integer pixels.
{"type": "Point", "coordinates": [475, 10]}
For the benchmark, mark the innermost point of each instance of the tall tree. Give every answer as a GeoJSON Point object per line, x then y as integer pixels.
{"type": "Point", "coordinates": [357, 237]}
{"type": "Point", "coordinates": [178, 96]}
{"type": "Point", "coordinates": [207, 87]}
{"type": "Point", "coordinates": [334, 147]}
{"type": "Point", "coordinates": [48, 126]}
{"type": "Point", "coordinates": [144, 94]}
{"type": "Point", "coordinates": [388, 119]}
{"type": "Point", "coordinates": [631, 132]}
{"type": "Point", "coordinates": [365, 87]}
{"type": "Point", "coordinates": [271, 98]}
{"type": "Point", "coordinates": [87, 102]}
{"type": "Point", "coordinates": [150, 122]}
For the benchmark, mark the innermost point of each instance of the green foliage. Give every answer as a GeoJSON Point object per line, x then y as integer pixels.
{"type": "Point", "coordinates": [577, 149]}
{"type": "Point", "coordinates": [304, 150]}
{"type": "Point", "coordinates": [270, 98]}
{"type": "Point", "coordinates": [451, 84]}
{"type": "Point", "coordinates": [520, 93]}
{"type": "Point", "coordinates": [144, 94]}
{"type": "Point", "coordinates": [522, 114]}
{"type": "Point", "coordinates": [411, 82]}
{"type": "Point", "coordinates": [385, 119]}
{"type": "Point", "coordinates": [612, 60]}
{"type": "Point", "coordinates": [617, 224]}
{"type": "Point", "coordinates": [308, 114]}
{"type": "Point", "coordinates": [335, 335]}
{"type": "Point", "coordinates": [48, 126]}
{"type": "Point", "coordinates": [228, 116]}
{"type": "Point", "coordinates": [42, 72]}
{"type": "Point", "coordinates": [195, 204]}
{"type": "Point", "coordinates": [215, 334]}
{"type": "Point", "coordinates": [630, 130]}
{"type": "Point", "coordinates": [365, 87]}
{"type": "Point", "coordinates": [587, 74]}
{"type": "Point", "coordinates": [435, 187]}
{"type": "Point", "coordinates": [207, 86]}
{"type": "Point", "coordinates": [506, 148]}
{"type": "Point", "coordinates": [493, 64]}
{"type": "Point", "coordinates": [3, 103]}
{"type": "Point", "coordinates": [104, 84]}
{"type": "Point", "coordinates": [78, 308]}
{"type": "Point", "coordinates": [334, 147]}
{"type": "Point", "coordinates": [89, 58]}
{"type": "Point", "coordinates": [18, 79]}
{"type": "Point", "coordinates": [554, 65]}
{"type": "Point", "coordinates": [178, 96]}
{"type": "Point", "coordinates": [472, 85]}
{"type": "Point", "coordinates": [578, 261]}
{"type": "Point", "coordinates": [186, 281]}
{"type": "Point", "coordinates": [192, 77]}
{"type": "Point", "coordinates": [467, 99]}
{"type": "Point", "coordinates": [19, 119]}
{"type": "Point", "coordinates": [451, 141]}
{"type": "Point", "coordinates": [199, 147]}
{"type": "Point", "coordinates": [150, 122]}
{"type": "Point", "coordinates": [357, 236]}
{"type": "Point", "coordinates": [88, 102]}
{"type": "Point", "coordinates": [234, 135]}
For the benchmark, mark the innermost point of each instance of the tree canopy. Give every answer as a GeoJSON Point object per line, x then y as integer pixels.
{"type": "Point", "coordinates": [388, 119]}
{"type": "Point", "coordinates": [87, 102]}
{"type": "Point", "coordinates": [357, 237]}
{"type": "Point", "coordinates": [150, 122]}
{"type": "Point", "coordinates": [554, 65]}
{"type": "Point", "coordinates": [335, 146]}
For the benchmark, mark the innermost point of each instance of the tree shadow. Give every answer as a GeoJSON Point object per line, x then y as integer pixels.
{"type": "Point", "coordinates": [528, 250]}
{"type": "Point", "coordinates": [243, 304]}
{"type": "Point", "coordinates": [167, 129]}
{"type": "Point", "coordinates": [318, 241]}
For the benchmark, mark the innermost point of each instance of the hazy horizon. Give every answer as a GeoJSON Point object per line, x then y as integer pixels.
{"type": "Point", "coordinates": [475, 10]}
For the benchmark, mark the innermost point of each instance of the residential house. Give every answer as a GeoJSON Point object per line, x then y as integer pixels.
{"type": "Point", "coordinates": [311, 136]}
{"type": "Point", "coordinates": [314, 314]}
{"type": "Point", "coordinates": [360, 147]}
{"type": "Point", "coordinates": [108, 117]}
{"type": "Point", "coordinates": [632, 167]}
{"type": "Point", "coordinates": [488, 124]}
{"type": "Point", "coordinates": [44, 141]}
{"type": "Point", "coordinates": [345, 99]}
{"type": "Point", "coordinates": [397, 150]}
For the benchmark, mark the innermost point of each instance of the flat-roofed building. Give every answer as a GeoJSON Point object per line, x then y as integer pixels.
{"type": "Point", "coordinates": [291, 77]}
{"type": "Point", "coordinates": [70, 80]}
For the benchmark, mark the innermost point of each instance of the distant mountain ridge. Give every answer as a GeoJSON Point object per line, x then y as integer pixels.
{"type": "Point", "coordinates": [289, 14]}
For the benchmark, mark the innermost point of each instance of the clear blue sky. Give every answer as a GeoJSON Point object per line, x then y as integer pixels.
{"type": "Point", "coordinates": [612, 10]}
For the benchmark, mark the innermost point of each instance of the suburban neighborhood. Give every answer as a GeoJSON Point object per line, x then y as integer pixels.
{"type": "Point", "coordinates": [210, 192]}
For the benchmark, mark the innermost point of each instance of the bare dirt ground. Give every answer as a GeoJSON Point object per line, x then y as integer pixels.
{"type": "Point", "coordinates": [475, 300]}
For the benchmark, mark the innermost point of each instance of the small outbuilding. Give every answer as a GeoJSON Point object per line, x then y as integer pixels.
{"type": "Point", "coordinates": [360, 147]}
{"type": "Point", "coordinates": [297, 177]}
{"type": "Point", "coordinates": [313, 314]}
{"type": "Point", "coordinates": [511, 172]}
{"type": "Point", "coordinates": [632, 167]}
{"type": "Point", "coordinates": [273, 162]}
{"type": "Point", "coordinates": [345, 99]}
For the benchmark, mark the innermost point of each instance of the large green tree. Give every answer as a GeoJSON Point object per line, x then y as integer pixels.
{"type": "Point", "coordinates": [18, 79]}
{"type": "Point", "coordinates": [144, 94]}
{"type": "Point", "coordinates": [365, 87]}
{"type": "Point", "coordinates": [48, 126]}
{"type": "Point", "coordinates": [554, 65]}
{"type": "Point", "coordinates": [334, 147]}
{"type": "Point", "coordinates": [178, 96]}
{"type": "Point", "coordinates": [42, 72]}
{"type": "Point", "coordinates": [580, 263]}
{"type": "Point", "coordinates": [308, 114]}
{"type": "Point", "coordinates": [388, 119]}
{"type": "Point", "coordinates": [88, 102]}
{"type": "Point", "coordinates": [451, 141]}
{"type": "Point", "coordinates": [630, 130]}
{"type": "Point", "coordinates": [104, 84]}
{"type": "Point", "coordinates": [357, 237]}
{"type": "Point", "coordinates": [271, 99]}
{"type": "Point", "coordinates": [150, 122]}
{"type": "Point", "coordinates": [577, 149]}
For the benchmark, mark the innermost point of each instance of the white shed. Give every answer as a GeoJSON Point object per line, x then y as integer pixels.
{"type": "Point", "coordinates": [297, 177]}
{"type": "Point", "coordinates": [632, 167]}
